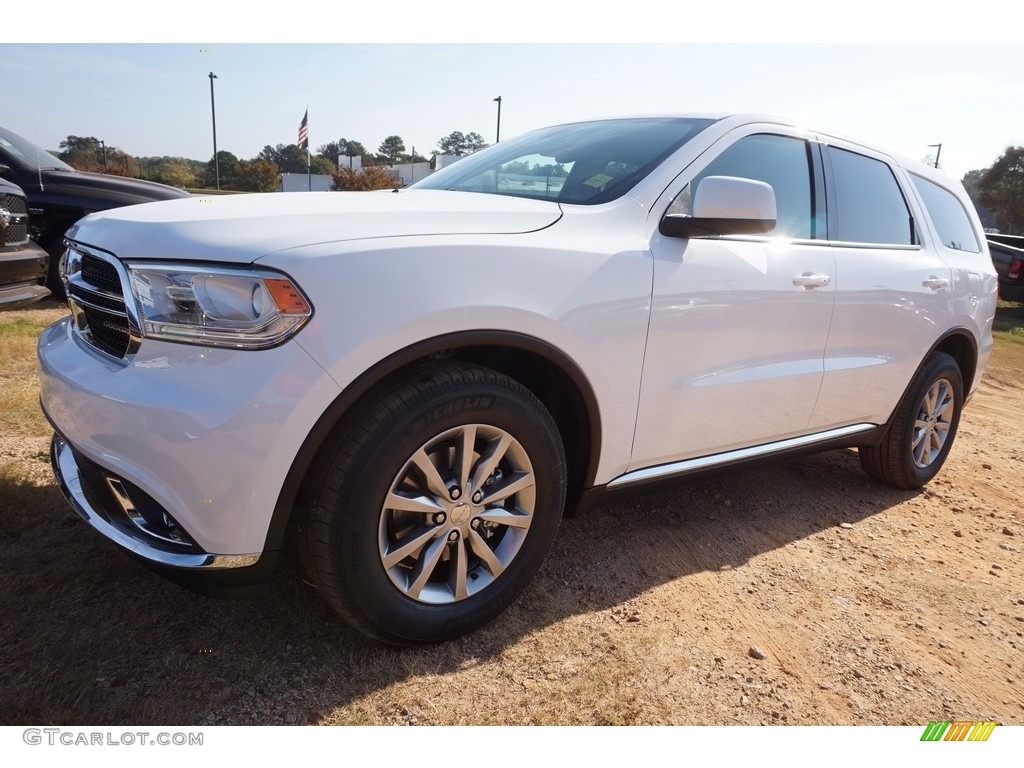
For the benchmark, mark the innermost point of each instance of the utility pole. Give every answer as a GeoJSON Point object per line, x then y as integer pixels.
{"type": "Point", "coordinates": [213, 112]}
{"type": "Point", "coordinates": [497, 133]}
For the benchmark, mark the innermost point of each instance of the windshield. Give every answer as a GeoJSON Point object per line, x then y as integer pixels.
{"type": "Point", "coordinates": [582, 163]}
{"type": "Point", "coordinates": [26, 153]}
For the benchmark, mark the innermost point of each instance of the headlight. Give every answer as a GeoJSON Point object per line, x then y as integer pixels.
{"type": "Point", "coordinates": [219, 306]}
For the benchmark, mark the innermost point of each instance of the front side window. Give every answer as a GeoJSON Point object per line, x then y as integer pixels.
{"type": "Point", "coordinates": [869, 204]}
{"type": "Point", "coordinates": [781, 161]}
{"type": "Point", "coordinates": [582, 163]}
{"type": "Point", "coordinates": [948, 216]}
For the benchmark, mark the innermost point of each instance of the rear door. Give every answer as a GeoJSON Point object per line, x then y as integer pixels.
{"type": "Point", "coordinates": [893, 296]}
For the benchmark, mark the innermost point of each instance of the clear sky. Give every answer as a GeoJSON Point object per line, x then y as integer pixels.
{"type": "Point", "coordinates": [154, 98]}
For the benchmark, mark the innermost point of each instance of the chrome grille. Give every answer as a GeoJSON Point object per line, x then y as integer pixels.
{"type": "Point", "coordinates": [14, 219]}
{"type": "Point", "coordinates": [96, 296]}
{"type": "Point", "coordinates": [101, 274]}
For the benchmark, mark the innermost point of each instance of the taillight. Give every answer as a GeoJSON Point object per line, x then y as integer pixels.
{"type": "Point", "coordinates": [1013, 273]}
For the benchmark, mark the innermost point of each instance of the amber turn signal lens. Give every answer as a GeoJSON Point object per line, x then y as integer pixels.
{"type": "Point", "coordinates": [286, 296]}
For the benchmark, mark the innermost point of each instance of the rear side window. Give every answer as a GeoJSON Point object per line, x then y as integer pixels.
{"type": "Point", "coordinates": [869, 204]}
{"type": "Point", "coordinates": [948, 216]}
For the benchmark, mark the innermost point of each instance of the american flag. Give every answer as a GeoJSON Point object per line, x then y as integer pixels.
{"type": "Point", "coordinates": [304, 131]}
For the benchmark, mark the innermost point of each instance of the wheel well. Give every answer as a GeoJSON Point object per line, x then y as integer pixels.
{"type": "Point", "coordinates": [560, 395]}
{"type": "Point", "coordinates": [542, 369]}
{"type": "Point", "coordinates": [961, 348]}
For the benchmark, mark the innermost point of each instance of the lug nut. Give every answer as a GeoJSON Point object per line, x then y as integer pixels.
{"type": "Point", "coordinates": [478, 497]}
{"type": "Point", "coordinates": [439, 518]}
{"type": "Point", "coordinates": [453, 536]}
{"type": "Point", "coordinates": [455, 492]}
{"type": "Point", "coordinates": [475, 524]}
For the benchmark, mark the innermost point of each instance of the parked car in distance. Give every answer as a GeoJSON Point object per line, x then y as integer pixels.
{"type": "Point", "coordinates": [58, 195]}
{"type": "Point", "coordinates": [1008, 257]}
{"type": "Point", "coordinates": [415, 385]}
{"type": "Point", "coordinates": [23, 264]}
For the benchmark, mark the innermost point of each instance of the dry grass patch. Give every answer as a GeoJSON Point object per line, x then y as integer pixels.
{"type": "Point", "coordinates": [19, 378]}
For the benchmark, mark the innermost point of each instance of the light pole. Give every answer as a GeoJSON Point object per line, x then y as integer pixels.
{"type": "Point", "coordinates": [937, 153]}
{"type": "Point", "coordinates": [213, 112]}
{"type": "Point", "coordinates": [497, 133]}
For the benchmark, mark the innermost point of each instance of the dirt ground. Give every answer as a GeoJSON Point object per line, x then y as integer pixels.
{"type": "Point", "coordinates": [801, 593]}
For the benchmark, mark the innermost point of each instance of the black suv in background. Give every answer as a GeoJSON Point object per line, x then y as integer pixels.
{"type": "Point", "coordinates": [58, 195]}
{"type": "Point", "coordinates": [1008, 257]}
{"type": "Point", "coordinates": [22, 262]}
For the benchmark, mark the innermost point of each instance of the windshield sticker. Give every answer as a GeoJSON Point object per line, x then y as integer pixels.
{"type": "Point", "coordinates": [598, 180]}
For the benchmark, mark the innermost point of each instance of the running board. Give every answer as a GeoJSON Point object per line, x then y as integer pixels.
{"type": "Point", "coordinates": [664, 471]}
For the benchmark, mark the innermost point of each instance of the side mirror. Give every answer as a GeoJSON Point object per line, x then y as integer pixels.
{"type": "Point", "coordinates": [725, 205]}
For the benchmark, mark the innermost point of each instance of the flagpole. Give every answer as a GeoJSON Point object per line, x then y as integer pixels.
{"type": "Point", "coordinates": [304, 144]}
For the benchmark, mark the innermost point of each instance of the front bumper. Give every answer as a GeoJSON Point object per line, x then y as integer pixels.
{"type": "Point", "coordinates": [179, 454]}
{"type": "Point", "coordinates": [114, 508]}
{"type": "Point", "coordinates": [22, 274]}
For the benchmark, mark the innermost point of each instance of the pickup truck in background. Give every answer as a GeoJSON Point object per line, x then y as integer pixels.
{"type": "Point", "coordinates": [23, 264]}
{"type": "Point", "coordinates": [58, 195]}
{"type": "Point", "coordinates": [1008, 257]}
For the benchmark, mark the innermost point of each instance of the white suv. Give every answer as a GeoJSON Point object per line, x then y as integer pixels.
{"type": "Point", "coordinates": [416, 384]}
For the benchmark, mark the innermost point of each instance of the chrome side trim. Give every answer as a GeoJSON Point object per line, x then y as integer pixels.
{"type": "Point", "coordinates": [70, 480]}
{"type": "Point", "coordinates": [704, 462]}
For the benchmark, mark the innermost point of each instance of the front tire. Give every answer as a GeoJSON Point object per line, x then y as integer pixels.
{"type": "Point", "coordinates": [922, 429]}
{"type": "Point", "coordinates": [431, 512]}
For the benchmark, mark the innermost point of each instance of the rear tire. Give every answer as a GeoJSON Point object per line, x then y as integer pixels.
{"type": "Point", "coordinates": [431, 511]}
{"type": "Point", "coordinates": [922, 429]}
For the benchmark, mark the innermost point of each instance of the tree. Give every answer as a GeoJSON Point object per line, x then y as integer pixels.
{"type": "Point", "coordinates": [391, 148]}
{"type": "Point", "coordinates": [87, 153]}
{"type": "Point", "coordinates": [414, 157]}
{"type": "Point", "coordinates": [82, 152]}
{"type": "Point", "coordinates": [174, 171]}
{"type": "Point", "coordinates": [258, 176]}
{"type": "Point", "coordinates": [1001, 188]}
{"type": "Point", "coordinates": [228, 165]}
{"type": "Point", "coordinates": [333, 149]}
{"type": "Point", "coordinates": [970, 181]}
{"type": "Point", "coordinates": [374, 177]}
{"type": "Point", "coordinates": [459, 143]}
{"type": "Point", "coordinates": [291, 158]}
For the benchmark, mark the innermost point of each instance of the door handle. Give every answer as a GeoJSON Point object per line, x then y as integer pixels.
{"type": "Point", "coordinates": [810, 280]}
{"type": "Point", "coordinates": [936, 283]}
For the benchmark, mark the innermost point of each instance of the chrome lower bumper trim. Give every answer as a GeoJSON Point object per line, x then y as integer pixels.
{"type": "Point", "coordinates": [70, 479]}
{"type": "Point", "coordinates": [705, 462]}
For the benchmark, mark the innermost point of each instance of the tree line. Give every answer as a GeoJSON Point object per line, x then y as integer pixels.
{"type": "Point", "coordinates": [998, 192]}
{"type": "Point", "coordinates": [262, 172]}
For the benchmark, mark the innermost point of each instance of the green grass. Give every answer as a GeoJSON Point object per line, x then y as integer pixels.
{"type": "Point", "coordinates": [1009, 322]}
{"type": "Point", "coordinates": [19, 379]}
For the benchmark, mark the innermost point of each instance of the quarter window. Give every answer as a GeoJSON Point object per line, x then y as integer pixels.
{"type": "Point", "coordinates": [870, 206]}
{"type": "Point", "coordinates": [948, 216]}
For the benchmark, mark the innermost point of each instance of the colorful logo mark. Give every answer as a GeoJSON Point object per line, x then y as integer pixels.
{"type": "Point", "coordinates": [958, 730]}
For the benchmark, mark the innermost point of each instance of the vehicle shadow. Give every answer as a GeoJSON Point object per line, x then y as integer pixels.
{"type": "Point", "coordinates": [91, 637]}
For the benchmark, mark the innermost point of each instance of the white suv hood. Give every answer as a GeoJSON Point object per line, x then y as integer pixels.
{"type": "Point", "coordinates": [242, 228]}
